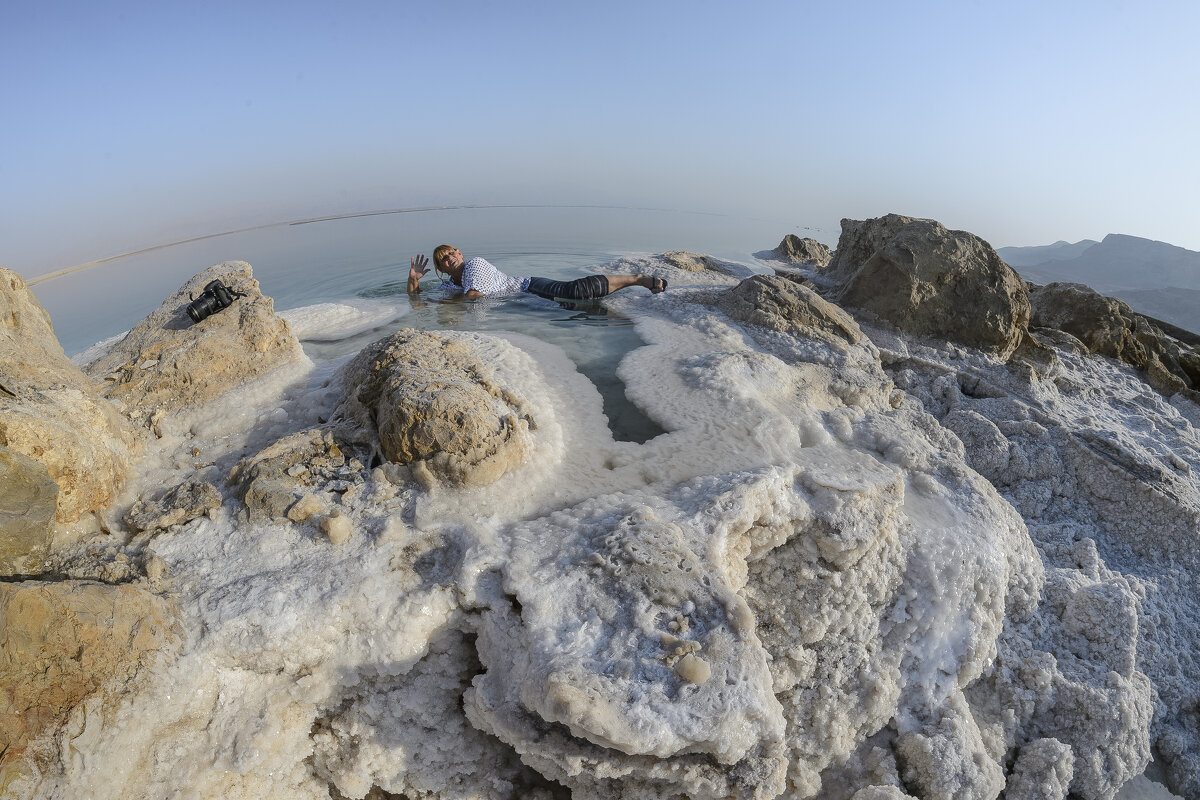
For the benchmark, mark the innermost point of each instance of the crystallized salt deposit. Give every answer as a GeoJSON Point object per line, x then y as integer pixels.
{"type": "Point", "coordinates": [805, 585]}
{"type": "Point", "coordinates": [335, 321]}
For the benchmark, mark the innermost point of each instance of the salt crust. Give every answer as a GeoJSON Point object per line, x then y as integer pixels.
{"type": "Point", "coordinates": [876, 618]}
{"type": "Point", "coordinates": [333, 321]}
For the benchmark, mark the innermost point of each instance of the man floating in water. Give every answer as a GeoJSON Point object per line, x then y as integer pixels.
{"type": "Point", "coordinates": [478, 278]}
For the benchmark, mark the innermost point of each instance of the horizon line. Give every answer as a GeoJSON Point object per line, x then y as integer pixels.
{"type": "Point", "coordinates": [60, 273]}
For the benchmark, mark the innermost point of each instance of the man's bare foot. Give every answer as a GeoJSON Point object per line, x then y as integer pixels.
{"type": "Point", "coordinates": [653, 283]}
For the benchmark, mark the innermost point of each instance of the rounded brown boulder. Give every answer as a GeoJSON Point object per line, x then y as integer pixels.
{"type": "Point", "coordinates": [428, 397]}
{"type": "Point", "coordinates": [930, 281]}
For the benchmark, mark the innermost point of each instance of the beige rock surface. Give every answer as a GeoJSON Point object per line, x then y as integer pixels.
{"type": "Point", "coordinates": [27, 506]}
{"type": "Point", "coordinates": [183, 503]}
{"type": "Point", "coordinates": [64, 643]}
{"type": "Point", "coordinates": [429, 397]}
{"type": "Point", "coordinates": [694, 262]}
{"type": "Point", "coordinates": [167, 362]}
{"type": "Point", "coordinates": [50, 412]}
{"type": "Point", "coordinates": [274, 479]}
{"type": "Point", "coordinates": [1111, 328]}
{"type": "Point", "coordinates": [783, 304]}
{"type": "Point", "coordinates": [802, 251]}
{"type": "Point", "coordinates": [930, 281]}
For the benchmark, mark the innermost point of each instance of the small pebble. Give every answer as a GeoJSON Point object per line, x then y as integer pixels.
{"type": "Point", "coordinates": [337, 527]}
{"type": "Point", "coordinates": [693, 669]}
{"type": "Point", "coordinates": [155, 568]}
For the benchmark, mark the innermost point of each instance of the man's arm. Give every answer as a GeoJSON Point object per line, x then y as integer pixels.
{"type": "Point", "coordinates": [417, 269]}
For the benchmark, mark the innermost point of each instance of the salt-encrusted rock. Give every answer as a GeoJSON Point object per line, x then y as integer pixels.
{"type": "Point", "coordinates": [273, 479]}
{"type": "Point", "coordinates": [50, 412]}
{"type": "Point", "coordinates": [945, 758]}
{"type": "Point", "coordinates": [167, 362]}
{"type": "Point", "coordinates": [621, 705]}
{"type": "Point", "coordinates": [28, 501]}
{"type": "Point", "coordinates": [1043, 772]}
{"type": "Point", "coordinates": [185, 502]}
{"type": "Point", "coordinates": [930, 281]}
{"type": "Point", "coordinates": [695, 262]}
{"type": "Point", "coordinates": [795, 250]}
{"type": "Point", "coordinates": [337, 526]}
{"type": "Point", "coordinates": [825, 604]}
{"type": "Point", "coordinates": [782, 304]}
{"type": "Point", "coordinates": [307, 507]}
{"type": "Point", "coordinates": [428, 397]}
{"type": "Point", "coordinates": [69, 643]}
{"type": "Point", "coordinates": [881, 793]}
{"type": "Point", "coordinates": [1109, 327]}
{"type": "Point", "coordinates": [1065, 674]}
{"type": "Point", "coordinates": [1093, 461]}
{"type": "Point", "coordinates": [406, 735]}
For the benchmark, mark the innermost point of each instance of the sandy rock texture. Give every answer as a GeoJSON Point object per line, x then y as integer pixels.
{"type": "Point", "coordinates": [930, 281]}
{"type": "Point", "coordinates": [178, 505]}
{"type": "Point", "coordinates": [1109, 327]}
{"type": "Point", "coordinates": [785, 304]}
{"type": "Point", "coordinates": [167, 362]}
{"type": "Point", "coordinates": [50, 412]}
{"type": "Point", "coordinates": [795, 250]}
{"type": "Point", "coordinates": [67, 651]}
{"type": "Point", "coordinates": [291, 472]}
{"type": "Point", "coordinates": [695, 262]}
{"type": "Point", "coordinates": [27, 506]}
{"type": "Point", "coordinates": [428, 399]}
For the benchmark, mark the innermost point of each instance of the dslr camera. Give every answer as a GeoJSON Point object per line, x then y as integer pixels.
{"type": "Point", "coordinates": [215, 297]}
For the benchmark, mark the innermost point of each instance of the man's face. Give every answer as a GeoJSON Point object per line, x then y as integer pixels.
{"type": "Point", "coordinates": [450, 260]}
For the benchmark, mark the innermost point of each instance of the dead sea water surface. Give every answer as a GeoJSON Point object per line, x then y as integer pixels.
{"type": "Point", "coordinates": [320, 270]}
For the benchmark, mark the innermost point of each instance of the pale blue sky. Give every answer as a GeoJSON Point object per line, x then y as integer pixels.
{"type": "Point", "coordinates": [128, 124]}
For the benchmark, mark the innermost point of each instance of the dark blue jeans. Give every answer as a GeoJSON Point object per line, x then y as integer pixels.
{"type": "Point", "coordinates": [587, 288]}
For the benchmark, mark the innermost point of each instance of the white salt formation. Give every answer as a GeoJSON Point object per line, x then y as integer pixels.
{"type": "Point", "coordinates": [859, 564]}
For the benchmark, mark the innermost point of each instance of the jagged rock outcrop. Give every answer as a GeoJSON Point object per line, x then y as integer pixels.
{"type": "Point", "coordinates": [694, 262]}
{"type": "Point", "coordinates": [786, 305]}
{"type": "Point", "coordinates": [428, 399]}
{"type": "Point", "coordinates": [1111, 328]}
{"type": "Point", "coordinates": [185, 502]}
{"type": "Point", "coordinates": [50, 412]}
{"type": "Point", "coordinates": [294, 471]}
{"type": "Point", "coordinates": [74, 645]}
{"type": "Point", "coordinates": [795, 250]}
{"type": "Point", "coordinates": [930, 281]}
{"type": "Point", "coordinates": [167, 362]}
{"type": "Point", "coordinates": [27, 505]}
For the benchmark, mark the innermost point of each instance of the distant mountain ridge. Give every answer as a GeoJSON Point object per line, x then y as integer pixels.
{"type": "Point", "coordinates": [1059, 251]}
{"type": "Point", "coordinates": [1155, 278]}
{"type": "Point", "coordinates": [1119, 262]}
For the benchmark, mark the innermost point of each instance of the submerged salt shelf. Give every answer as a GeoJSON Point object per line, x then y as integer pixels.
{"type": "Point", "coordinates": [851, 561]}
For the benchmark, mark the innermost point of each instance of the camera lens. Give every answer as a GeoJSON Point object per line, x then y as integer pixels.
{"type": "Point", "coordinates": [202, 306]}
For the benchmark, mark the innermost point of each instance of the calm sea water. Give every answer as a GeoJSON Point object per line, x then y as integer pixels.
{"type": "Point", "coordinates": [366, 258]}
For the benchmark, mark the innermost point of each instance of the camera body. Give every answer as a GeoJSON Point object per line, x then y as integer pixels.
{"type": "Point", "coordinates": [215, 297]}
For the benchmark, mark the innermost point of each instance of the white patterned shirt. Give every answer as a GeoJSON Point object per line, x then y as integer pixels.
{"type": "Point", "coordinates": [480, 275]}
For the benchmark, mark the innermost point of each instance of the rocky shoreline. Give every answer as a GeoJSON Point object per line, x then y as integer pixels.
{"type": "Point", "coordinates": [918, 528]}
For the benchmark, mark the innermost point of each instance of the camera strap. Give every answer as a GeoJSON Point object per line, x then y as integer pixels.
{"type": "Point", "coordinates": [232, 293]}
